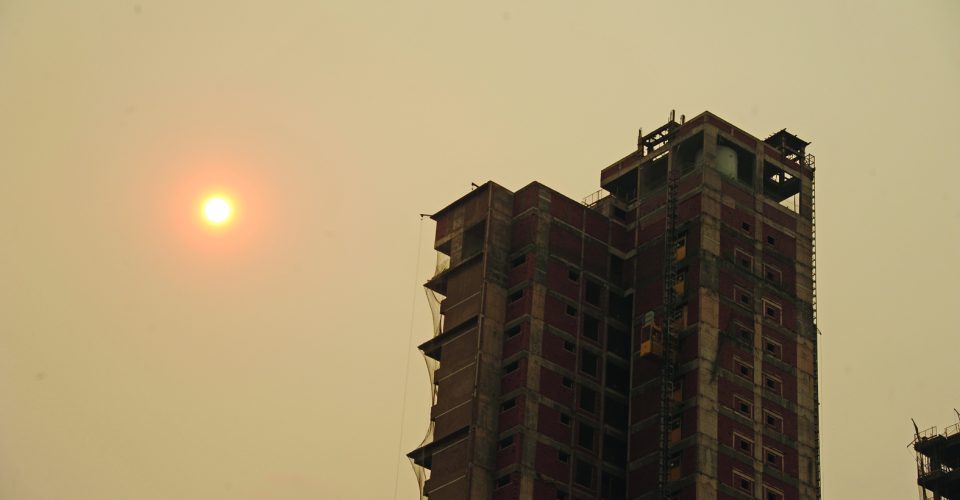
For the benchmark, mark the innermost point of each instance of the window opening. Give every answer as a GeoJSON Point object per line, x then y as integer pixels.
{"type": "Point", "coordinates": [593, 293]}
{"type": "Point", "coordinates": [772, 274]}
{"type": "Point", "coordinates": [584, 435]}
{"type": "Point", "coordinates": [744, 259]}
{"type": "Point", "coordinates": [743, 407]}
{"type": "Point", "coordinates": [584, 474]}
{"type": "Point", "coordinates": [591, 327]}
{"type": "Point", "coordinates": [743, 482]}
{"type": "Point", "coordinates": [773, 421]}
{"type": "Point", "coordinates": [743, 369]}
{"type": "Point", "coordinates": [772, 311]}
{"type": "Point", "coordinates": [773, 348]}
{"type": "Point", "coordinates": [773, 383]}
{"type": "Point", "coordinates": [773, 458]}
{"type": "Point", "coordinates": [772, 494]}
{"type": "Point", "coordinates": [588, 399]}
{"type": "Point", "coordinates": [588, 362]}
{"type": "Point", "coordinates": [742, 444]}
{"type": "Point", "coordinates": [745, 334]}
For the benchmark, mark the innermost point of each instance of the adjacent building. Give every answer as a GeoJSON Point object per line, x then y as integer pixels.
{"type": "Point", "coordinates": [938, 461]}
{"type": "Point", "coordinates": [657, 340]}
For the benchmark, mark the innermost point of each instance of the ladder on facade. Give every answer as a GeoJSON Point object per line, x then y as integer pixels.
{"type": "Point", "coordinates": [668, 371]}
{"type": "Point", "coordinates": [809, 162]}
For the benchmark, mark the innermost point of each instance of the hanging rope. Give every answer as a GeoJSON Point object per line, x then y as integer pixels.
{"type": "Point", "coordinates": [403, 405]}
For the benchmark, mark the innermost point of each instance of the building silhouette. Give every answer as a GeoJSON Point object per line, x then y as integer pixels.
{"type": "Point", "coordinates": [938, 461]}
{"type": "Point", "coordinates": [657, 340]}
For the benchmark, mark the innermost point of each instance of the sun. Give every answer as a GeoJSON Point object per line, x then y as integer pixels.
{"type": "Point", "coordinates": [217, 210]}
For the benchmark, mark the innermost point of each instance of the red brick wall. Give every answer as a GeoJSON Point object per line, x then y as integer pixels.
{"type": "Point", "coordinates": [551, 386]}
{"type": "Point", "coordinates": [548, 463]}
{"type": "Point", "coordinates": [553, 351]}
{"type": "Point", "coordinates": [555, 314]}
{"type": "Point", "coordinates": [565, 242]}
{"type": "Point", "coordinates": [567, 210]}
{"type": "Point", "coordinates": [558, 280]}
{"type": "Point", "coordinates": [512, 417]}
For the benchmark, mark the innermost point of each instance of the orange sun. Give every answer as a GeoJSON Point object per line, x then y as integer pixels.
{"type": "Point", "coordinates": [217, 210]}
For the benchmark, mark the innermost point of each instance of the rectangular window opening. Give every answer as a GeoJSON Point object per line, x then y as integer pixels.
{"type": "Point", "coordinates": [773, 348]}
{"type": "Point", "coordinates": [518, 261]}
{"type": "Point", "coordinates": [772, 274]}
{"type": "Point", "coordinates": [772, 311]}
{"type": "Point", "coordinates": [508, 404]}
{"type": "Point", "coordinates": [742, 482]}
{"type": "Point", "coordinates": [773, 458]}
{"type": "Point", "coordinates": [745, 334]}
{"type": "Point", "coordinates": [743, 369]}
{"type": "Point", "coordinates": [742, 444]}
{"type": "Point", "coordinates": [585, 436]}
{"type": "Point", "coordinates": [770, 493]}
{"type": "Point", "coordinates": [593, 293]}
{"type": "Point", "coordinates": [744, 259]}
{"type": "Point", "coordinates": [583, 474]}
{"type": "Point", "coordinates": [743, 407]}
{"type": "Point", "coordinates": [588, 399]}
{"type": "Point", "coordinates": [773, 421]}
{"type": "Point", "coordinates": [773, 383]}
{"type": "Point", "coordinates": [591, 327]}
{"type": "Point", "coordinates": [588, 362]}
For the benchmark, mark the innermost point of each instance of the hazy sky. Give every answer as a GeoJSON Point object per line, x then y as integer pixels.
{"type": "Point", "coordinates": [143, 357]}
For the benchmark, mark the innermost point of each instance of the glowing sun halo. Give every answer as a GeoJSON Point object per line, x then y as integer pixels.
{"type": "Point", "coordinates": [217, 210]}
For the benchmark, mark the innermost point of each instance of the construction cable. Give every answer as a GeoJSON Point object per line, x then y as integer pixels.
{"type": "Point", "coordinates": [406, 371]}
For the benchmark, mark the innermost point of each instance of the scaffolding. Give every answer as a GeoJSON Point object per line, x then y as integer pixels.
{"type": "Point", "coordinates": [809, 161]}
{"type": "Point", "coordinates": [668, 369]}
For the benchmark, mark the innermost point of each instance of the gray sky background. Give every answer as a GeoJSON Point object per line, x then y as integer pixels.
{"type": "Point", "coordinates": [144, 357]}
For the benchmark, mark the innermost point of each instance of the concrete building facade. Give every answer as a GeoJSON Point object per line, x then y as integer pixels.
{"type": "Point", "coordinates": [657, 340]}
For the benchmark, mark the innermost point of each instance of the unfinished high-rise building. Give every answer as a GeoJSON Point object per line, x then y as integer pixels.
{"type": "Point", "coordinates": [656, 341]}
